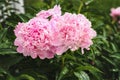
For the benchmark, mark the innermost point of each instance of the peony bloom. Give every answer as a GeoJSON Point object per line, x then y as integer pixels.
{"type": "Point", "coordinates": [33, 38]}
{"type": "Point", "coordinates": [115, 13]}
{"type": "Point", "coordinates": [73, 32]}
{"type": "Point", "coordinates": [55, 12]}
{"type": "Point", "coordinates": [44, 38]}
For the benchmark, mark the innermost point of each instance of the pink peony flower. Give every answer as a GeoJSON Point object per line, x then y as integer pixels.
{"type": "Point", "coordinates": [73, 32]}
{"type": "Point", "coordinates": [115, 12]}
{"type": "Point", "coordinates": [33, 38]}
{"type": "Point", "coordinates": [55, 12]}
{"type": "Point", "coordinates": [45, 37]}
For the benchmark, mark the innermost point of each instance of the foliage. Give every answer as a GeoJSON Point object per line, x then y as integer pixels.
{"type": "Point", "coordinates": [101, 62]}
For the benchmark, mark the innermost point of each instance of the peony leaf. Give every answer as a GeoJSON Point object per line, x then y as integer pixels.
{"type": "Point", "coordinates": [4, 51]}
{"type": "Point", "coordinates": [25, 77]}
{"type": "Point", "coordinates": [82, 75]}
{"type": "Point", "coordinates": [63, 73]}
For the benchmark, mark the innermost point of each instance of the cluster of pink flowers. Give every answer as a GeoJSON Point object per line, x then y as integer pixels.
{"type": "Point", "coordinates": [115, 13]}
{"type": "Point", "coordinates": [50, 33]}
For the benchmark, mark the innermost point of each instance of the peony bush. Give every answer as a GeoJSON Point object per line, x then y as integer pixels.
{"type": "Point", "coordinates": [60, 40]}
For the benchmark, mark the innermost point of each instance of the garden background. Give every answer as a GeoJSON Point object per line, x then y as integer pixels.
{"type": "Point", "coordinates": [101, 62]}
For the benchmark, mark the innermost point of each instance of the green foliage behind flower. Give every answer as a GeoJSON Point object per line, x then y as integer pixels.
{"type": "Point", "coordinates": [101, 62]}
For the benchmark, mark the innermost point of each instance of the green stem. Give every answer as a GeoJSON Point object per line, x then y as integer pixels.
{"type": "Point", "coordinates": [80, 7]}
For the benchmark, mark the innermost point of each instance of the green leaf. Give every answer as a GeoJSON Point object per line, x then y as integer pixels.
{"type": "Point", "coordinates": [2, 71]}
{"type": "Point", "coordinates": [4, 51]}
{"type": "Point", "coordinates": [63, 73]}
{"type": "Point", "coordinates": [10, 23]}
{"type": "Point", "coordinates": [88, 68]}
{"type": "Point", "coordinates": [26, 77]}
{"type": "Point", "coordinates": [23, 18]}
{"type": "Point", "coordinates": [116, 56]}
{"type": "Point", "coordinates": [70, 57]}
{"type": "Point", "coordinates": [42, 76]}
{"type": "Point", "coordinates": [3, 33]}
{"type": "Point", "coordinates": [93, 70]}
{"type": "Point", "coordinates": [82, 75]}
{"type": "Point", "coordinates": [109, 60]}
{"type": "Point", "coordinates": [113, 47]}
